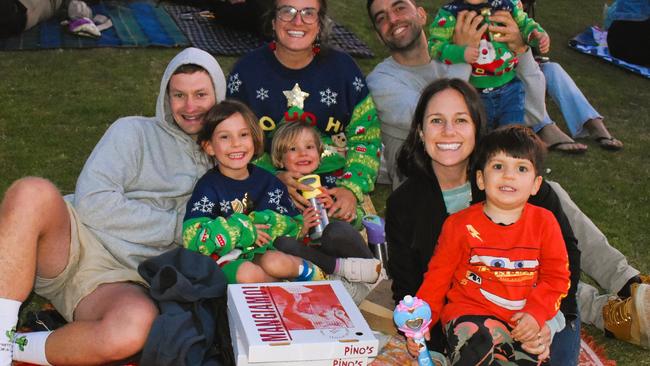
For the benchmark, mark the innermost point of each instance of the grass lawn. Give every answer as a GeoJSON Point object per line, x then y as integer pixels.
{"type": "Point", "coordinates": [55, 105]}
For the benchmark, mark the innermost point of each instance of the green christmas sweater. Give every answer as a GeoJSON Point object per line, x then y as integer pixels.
{"type": "Point", "coordinates": [496, 63]}
{"type": "Point", "coordinates": [222, 212]}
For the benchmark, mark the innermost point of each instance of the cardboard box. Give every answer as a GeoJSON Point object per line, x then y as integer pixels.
{"type": "Point", "coordinates": [241, 358]}
{"type": "Point", "coordinates": [379, 318]}
{"type": "Point", "coordinates": [299, 321]}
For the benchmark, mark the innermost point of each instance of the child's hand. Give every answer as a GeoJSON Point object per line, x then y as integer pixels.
{"type": "Point", "coordinates": [541, 345]}
{"type": "Point", "coordinates": [263, 237]}
{"type": "Point", "coordinates": [543, 39]}
{"type": "Point", "coordinates": [526, 328]}
{"type": "Point", "coordinates": [414, 347]}
{"type": "Point", "coordinates": [471, 54]}
{"type": "Point", "coordinates": [310, 219]}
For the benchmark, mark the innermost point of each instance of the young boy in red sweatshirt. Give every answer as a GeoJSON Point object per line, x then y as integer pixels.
{"type": "Point", "coordinates": [500, 268]}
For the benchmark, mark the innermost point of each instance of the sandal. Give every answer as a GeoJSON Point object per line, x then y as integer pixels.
{"type": "Point", "coordinates": [609, 143]}
{"type": "Point", "coordinates": [558, 147]}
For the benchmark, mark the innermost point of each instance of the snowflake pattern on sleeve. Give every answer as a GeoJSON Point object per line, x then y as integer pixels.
{"type": "Point", "coordinates": [274, 199]}
{"type": "Point", "coordinates": [204, 205]}
{"type": "Point", "coordinates": [224, 205]}
{"type": "Point", "coordinates": [234, 83]}
{"type": "Point", "coordinates": [358, 84]}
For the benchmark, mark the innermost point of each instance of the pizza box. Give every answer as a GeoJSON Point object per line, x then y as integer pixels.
{"type": "Point", "coordinates": [241, 358]}
{"type": "Point", "coordinates": [299, 321]}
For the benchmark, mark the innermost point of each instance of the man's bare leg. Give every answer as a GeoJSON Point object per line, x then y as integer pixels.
{"type": "Point", "coordinates": [34, 224]}
{"type": "Point", "coordinates": [110, 324]}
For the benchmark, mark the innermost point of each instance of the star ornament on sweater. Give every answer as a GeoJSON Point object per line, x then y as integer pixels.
{"type": "Point", "coordinates": [295, 97]}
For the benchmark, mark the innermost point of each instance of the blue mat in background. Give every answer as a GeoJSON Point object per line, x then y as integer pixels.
{"type": "Point", "coordinates": [135, 24]}
{"type": "Point", "coordinates": [593, 41]}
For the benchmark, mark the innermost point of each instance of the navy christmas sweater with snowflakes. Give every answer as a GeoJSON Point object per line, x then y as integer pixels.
{"type": "Point", "coordinates": [222, 213]}
{"type": "Point", "coordinates": [332, 92]}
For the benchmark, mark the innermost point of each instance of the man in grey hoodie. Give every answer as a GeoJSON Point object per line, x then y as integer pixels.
{"type": "Point", "coordinates": [81, 251]}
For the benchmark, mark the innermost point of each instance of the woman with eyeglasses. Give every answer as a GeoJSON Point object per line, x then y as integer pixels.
{"type": "Point", "coordinates": [298, 78]}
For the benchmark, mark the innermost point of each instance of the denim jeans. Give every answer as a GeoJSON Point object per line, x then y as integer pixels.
{"type": "Point", "coordinates": [574, 106]}
{"type": "Point", "coordinates": [504, 105]}
{"type": "Point", "coordinates": [565, 348]}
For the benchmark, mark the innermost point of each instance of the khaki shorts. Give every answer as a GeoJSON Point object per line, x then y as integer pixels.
{"type": "Point", "coordinates": [89, 265]}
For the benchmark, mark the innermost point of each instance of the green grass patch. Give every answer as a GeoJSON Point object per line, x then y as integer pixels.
{"type": "Point", "coordinates": [55, 105]}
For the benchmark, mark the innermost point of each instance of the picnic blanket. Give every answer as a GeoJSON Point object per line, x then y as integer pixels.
{"type": "Point", "coordinates": [45, 317]}
{"type": "Point", "coordinates": [135, 24]}
{"type": "Point", "coordinates": [394, 353]}
{"type": "Point", "coordinates": [593, 41]}
{"type": "Point", "coordinates": [204, 33]}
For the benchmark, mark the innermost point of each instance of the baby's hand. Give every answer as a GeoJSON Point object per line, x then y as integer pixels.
{"type": "Point", "coordinates": [543, 39]}
{"type": "Point", "coordinates": [263, 237]}
{"type": "Point", "coordinates": [471, 54]}
{"type": "Point", "coordinates": [526, 328]}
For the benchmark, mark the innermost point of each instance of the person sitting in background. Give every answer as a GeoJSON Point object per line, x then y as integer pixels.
{"type": "Point", "coordinates": [581, 118]}
{"type": "Point", "coordinates": [17, 16]}
{"type": "Point", "coordinates": [245, 15]}
{"type": "Point", "coordinates": [628, 31]}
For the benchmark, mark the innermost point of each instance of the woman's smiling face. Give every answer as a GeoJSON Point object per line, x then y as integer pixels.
{"type": "Point", "coordinates": [448, 132]}
{"type": "Point", "coordinates": [296, 35]}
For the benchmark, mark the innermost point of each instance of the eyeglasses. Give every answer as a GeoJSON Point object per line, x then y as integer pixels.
{"type": "Point", "coordinates": [288, 13]}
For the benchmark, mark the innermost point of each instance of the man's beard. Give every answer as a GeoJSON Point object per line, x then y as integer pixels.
{"type": "Point", "coordinates": [405, 46]}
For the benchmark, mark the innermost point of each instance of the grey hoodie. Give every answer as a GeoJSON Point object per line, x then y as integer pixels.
{"type": "Point", "coordinates": [133, 189]}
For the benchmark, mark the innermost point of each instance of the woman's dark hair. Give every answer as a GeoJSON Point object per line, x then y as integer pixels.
{"type": "Point", "coordinates": [222, 111]}
{"type": "Point", "coordinates": [323, 20]}
{"type": "Point", "coordinates": [413, 158]}
{"type": "Point", "coordinates": [516, 141]}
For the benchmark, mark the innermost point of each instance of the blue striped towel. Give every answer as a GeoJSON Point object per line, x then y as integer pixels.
{"type": "Point", "coordinates": [135, 24]}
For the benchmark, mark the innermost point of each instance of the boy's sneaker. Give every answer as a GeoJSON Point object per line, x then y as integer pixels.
{"type": "Point", "coordinates": [357, 290]}
{"type": "Point", "coordinates": [360, 269]}
{"type": "Point", "coordinates": [629, 319]}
